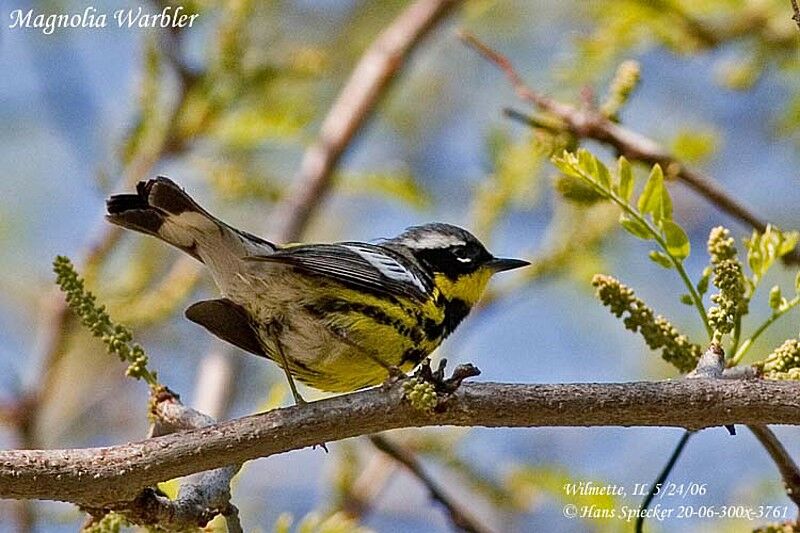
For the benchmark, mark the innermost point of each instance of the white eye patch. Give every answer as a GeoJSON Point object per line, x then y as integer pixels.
{"type": "Point", "coordinates": [464, 259]}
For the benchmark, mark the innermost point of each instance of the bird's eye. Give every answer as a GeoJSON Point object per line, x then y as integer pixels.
{"type": "Point", "coordinates": [463, 254]}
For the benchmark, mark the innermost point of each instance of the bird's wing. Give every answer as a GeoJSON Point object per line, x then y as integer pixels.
{"type": "Point", "coordinates": [360, 265]}
{"type": "Point", "coordinates": [228, 321]}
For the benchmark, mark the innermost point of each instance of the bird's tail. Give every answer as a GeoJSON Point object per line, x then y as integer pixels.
{"type": "Point", "coordinates": [162, 209]}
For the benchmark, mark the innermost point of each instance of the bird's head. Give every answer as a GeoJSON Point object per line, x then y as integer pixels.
{"type": "Point", "coordinates": [460, 263]}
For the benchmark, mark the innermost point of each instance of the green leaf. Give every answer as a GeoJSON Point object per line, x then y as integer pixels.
{"type": "Point", "coordinates": [567, 164]}
{"type": "Point", "coordinates": [686, 299]}
{"type": "Point", "coordinates": [635, 227]}
{"type": "Point", "coordinates": [586, 167]}
{"type": "Point", "coordinates": [594, 168]}
{"type": "Point", "coordinates": [577, 190]}
{"type": "Point", "coordinates": [587, 162]}
{"type": "Point", "coordinates": [650, 199]}
{"type": "Point", "coordinates": [764, 248]}
{"type": "Point", "coordinates": [666, 203]}
{"type": "Point", "coordinates": [789, 243]}
{"type": "Point", "coordinates": [775, 298]}
{"type": "Point", "coordinates": [400, 186]}
{"type": "Point", "coordinates": [754, 258]}
{"type": "Point", "coordinates": [497, 142]}
{"type": "Point", "coordinates": [603, 175]}
{"type": "Point", "coordinates": [660, 258]}
{"type": "Point", "coordinates": [702, 284]}
{"type": "Point", "coordinates": [245, 127]}
{"type": "Point", "coordinates": [694, 146]}
{"type": "Point", "coordinates": [676, 239]}
{"type": "Point", "coordinates": [625, 179]}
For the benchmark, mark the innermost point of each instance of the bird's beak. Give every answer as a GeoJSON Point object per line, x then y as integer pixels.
{"type": "Point", "coordinates": [499, 264]}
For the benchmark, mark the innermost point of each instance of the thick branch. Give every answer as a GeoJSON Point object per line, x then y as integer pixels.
{"type": "Point", "coordinates": [93, 477]}
{"type": "Point", "coordinates": [202, 496]}
{"type": "Point", "coordinates": [589, 124]}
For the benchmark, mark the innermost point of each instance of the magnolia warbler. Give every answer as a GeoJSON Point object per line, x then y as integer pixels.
{"type": "Point", "coordinates": [337, 317]}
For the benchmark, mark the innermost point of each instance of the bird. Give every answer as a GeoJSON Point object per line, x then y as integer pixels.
{"type": "Point", "coordinates": [337, 317]}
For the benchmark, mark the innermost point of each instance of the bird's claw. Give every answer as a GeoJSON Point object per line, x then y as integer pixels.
{"type": "Point", "coordinates": [437, 379]}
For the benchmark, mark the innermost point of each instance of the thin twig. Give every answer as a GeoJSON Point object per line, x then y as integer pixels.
{"type": "Point", "coordinates": [662, 477]}
{"type": "Point", "coordinates": [96, 476]}
{"type": "Point", "coordinates": [458, 516]}
{"type": "Point", "coordinates": [786, 465]}
{"type": "Point", "coordinates": [352, 109]}
{"type": "Point", "coordinates": [710, 366]}
{"type": "Point", "coordinates": [587, 123]}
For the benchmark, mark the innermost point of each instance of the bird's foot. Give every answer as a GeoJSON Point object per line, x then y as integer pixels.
{"type": "Point", "coordinates": [427, 389]}
{"type": "Point", "coordinates": [437, 379]}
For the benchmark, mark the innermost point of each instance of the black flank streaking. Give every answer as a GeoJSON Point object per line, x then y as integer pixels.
{"type": "Point", "coordinates": [333, 305]}
{"type": "Point", "coordinates": [455, 311]}
{"type": "Point", "coordinates": [413, 355]}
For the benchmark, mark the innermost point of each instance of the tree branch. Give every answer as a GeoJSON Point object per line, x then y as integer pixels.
{"type": "Point", "coordinates": [97, 476]}
{"type": "Point", "coordinates": [786, 465]}
{"type": "Point", "coordinates": [590, 124]}
{"type": "Point", "coordinates": [587, 123]}
{"type": "Point", "coordinates": [352, 108]}
{"type": "Point", "coordinates": [202, 495]}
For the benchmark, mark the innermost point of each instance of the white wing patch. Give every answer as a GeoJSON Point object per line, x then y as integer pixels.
{"type": "Point", "coordinates": [387, 266]}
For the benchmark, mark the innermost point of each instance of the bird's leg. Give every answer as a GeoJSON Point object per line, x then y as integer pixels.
{"type": "Point", "coordinates": [298, 400]}
{"type": "Point", "coordinates": [285, 365]}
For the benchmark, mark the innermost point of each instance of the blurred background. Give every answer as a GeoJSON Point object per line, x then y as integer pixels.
{"type": "Point", "coordinates": [227, 107]}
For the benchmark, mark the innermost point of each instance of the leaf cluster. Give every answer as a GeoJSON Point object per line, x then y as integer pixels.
{"type": "Point", "coordinates": [649, 216]}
